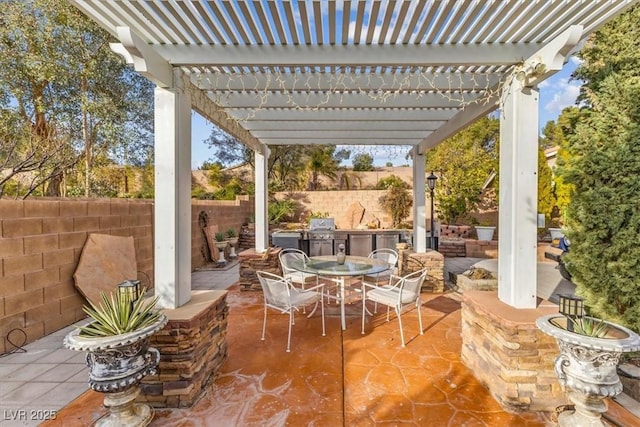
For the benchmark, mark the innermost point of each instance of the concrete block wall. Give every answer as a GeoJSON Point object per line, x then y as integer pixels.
{"type": "Point", "coordinates": [336, 204]}
{"type": "Point", "coordinates": [40, 245]}
{"type": "Point", "coordinates": [225, 214]}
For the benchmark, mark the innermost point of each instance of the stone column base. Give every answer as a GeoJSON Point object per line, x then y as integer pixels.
{"type": "Point", "coordinates": [252, 261]}
{"type": "Point", "coordinates": [192, 348]}
{"type": "Point", "coordinates": [410, 261]}
{"type": "Point", "coordinates": [505, 350]}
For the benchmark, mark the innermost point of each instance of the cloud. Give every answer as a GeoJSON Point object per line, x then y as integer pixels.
{"type": "Point", "coordinates": [565, 95]}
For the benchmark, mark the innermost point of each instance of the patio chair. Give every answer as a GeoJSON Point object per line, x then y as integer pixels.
{"type": "Point", "coordinates": [286, 257]}
{"type": "Point", "coordinates": [388, 255]}
{"type": "Point", "coordinates": [281, 295]}
{"type": "Point", "coordinates": [400, 293]}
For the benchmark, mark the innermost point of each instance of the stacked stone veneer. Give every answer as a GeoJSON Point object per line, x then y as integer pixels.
{"type": "Point", "coordinates": [192, 347]}
{"type": "Point", "coordinates": [505, 350]}
{"type": "Point", "coordinates": [410, 261]}
{"type": "Point", "coordinates": [252, 262]}
{"type": "Point", "coordinates": [40, 244]}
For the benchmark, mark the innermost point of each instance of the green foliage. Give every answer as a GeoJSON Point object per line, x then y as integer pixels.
{"type": "Point", "coordinates": [231, 233]}
{"type": "Point", "coordinates": [220, 236]}
{"type": "Point", "coordinates": [464, 162]}
{"type": "Point", "coordinates": [363, 162]}
{"type": "Point", "coordinates": [116, 315]}
{"type": "Point", "coordinates": [279, 210]}
{"type": "Point", "coordinates": [76, 101]}
{"type": "Point", "coordinates": [589, 326]}
{"type": "Point", "coordinates": [321, 163]}
{"type": "Point", "coordinates": [603, 168]}
{"type": "Point", "coordinates": [397, 202]}
{"type": "Point", "coordinates": [391, 181]}
{"type": "Point", "coordinates": [546, 200]}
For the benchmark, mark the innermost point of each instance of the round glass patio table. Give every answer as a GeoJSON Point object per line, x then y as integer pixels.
{"type": "Point", "coordinates": [327, 266]}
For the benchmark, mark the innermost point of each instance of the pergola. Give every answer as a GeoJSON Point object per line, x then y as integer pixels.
{"type": "Point", "coordinates": [378, 72]}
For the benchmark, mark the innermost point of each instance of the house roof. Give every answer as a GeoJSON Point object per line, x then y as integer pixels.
{"type": "Point", "coordinates": [406, 73]}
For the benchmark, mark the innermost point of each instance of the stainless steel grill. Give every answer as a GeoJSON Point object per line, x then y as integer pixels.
{"type": "Point", "coordinates": [321, 235]}
{"type": "Point", "coordinates": [322, 229]}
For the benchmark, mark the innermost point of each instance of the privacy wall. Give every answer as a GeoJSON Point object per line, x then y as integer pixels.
{"type": "Point", "coordinates": [40, 245]}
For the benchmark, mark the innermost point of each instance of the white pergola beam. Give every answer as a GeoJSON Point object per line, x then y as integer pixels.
{"type": "Point", "coordinates": [346, 100]}
{"type": "Point", "coordinates": [201, 103]}
{"type": "Point", "coordinates": [389, 125]}
{"type": "Point", "coordinates": [488, 54]}
{"type": "Point", "coordinates": [352, 133]}
{"type": "Point", "coordinates": [298, 81]}
{"type": "Point", "coordinates": [246, 115]}
{"type": "Point", "coordinates": [460, 121]}
{"type": "Point", "coordinates": [339, 141]}
{"type": "Point", "coordinates": [143, 57]}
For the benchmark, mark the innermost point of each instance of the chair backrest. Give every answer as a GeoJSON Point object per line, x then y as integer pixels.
{"type": "Point", "coordinates": [287, 256]}
{"type": "Point", "coordinates": [275, 288]}
{"type": "Point", "coordinates": [412, 284]}
{"type": "Point", "coordinates": [388, 255]}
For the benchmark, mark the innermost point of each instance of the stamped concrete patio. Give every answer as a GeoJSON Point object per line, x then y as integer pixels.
{"type": "Point", "coordinates": [342, 379]}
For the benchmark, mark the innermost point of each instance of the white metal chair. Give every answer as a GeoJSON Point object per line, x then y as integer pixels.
{"type": "Point", "coordinates": [281, 295]}
{"type": "Point", "coordinates": [389, 256]}
{"type": "Point", "coordinates": [288, 255]}
{"type": "Point", "coordinates": [400, 293]}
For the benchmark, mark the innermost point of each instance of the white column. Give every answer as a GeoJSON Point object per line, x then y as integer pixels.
{"type": "Point", "coordinates": [261, 199]}
{"type": "Point", "coordinates": [172, 211]}
{"type": "Point", "coordinates": [419, 209]}
{"type": "Point", "coordinates": [517, 244]}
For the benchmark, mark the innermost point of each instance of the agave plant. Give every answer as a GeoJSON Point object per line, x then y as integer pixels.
{"type": "Point", "coordinates": [117, 314]}
{"type": "Point", "coordinates": [220, 236]}
{"type": "Point", "coordinates": [231, 233]}
{"type": "Point", "coordinates": [589, 326]}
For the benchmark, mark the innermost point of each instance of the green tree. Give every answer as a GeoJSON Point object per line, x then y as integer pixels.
{"type": "Point", "coordinates": [363, 162]}
{"type": "Point", "coordinates": [62, 81]}
{"type": "Point", "coordinates": [603, 166]}
{"type": "Point", "coordinates": [464, 162]}
{"type": "Point", "coordinates": [397, 201]}
{"type": "Point", "coordinates": [546, 199]}
{"type": "Point", "coordinates": [321, 163]}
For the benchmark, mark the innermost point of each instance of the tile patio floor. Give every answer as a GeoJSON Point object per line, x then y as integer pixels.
{"type": "Point", "coordinates": [342, 379]}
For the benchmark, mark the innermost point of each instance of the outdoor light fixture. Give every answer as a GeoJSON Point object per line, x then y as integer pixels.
{"type": "Point", "coordinates": [433, 240]}
{"type": "Point", "coordinates": [570, 306]}
{"type": "Point", "coordinates": [528, 71]}
{"type": "Point", "coordinates": [130, 289]}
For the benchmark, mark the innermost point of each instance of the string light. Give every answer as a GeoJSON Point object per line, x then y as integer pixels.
{"type": "Point", "coordinates": [462, 88]}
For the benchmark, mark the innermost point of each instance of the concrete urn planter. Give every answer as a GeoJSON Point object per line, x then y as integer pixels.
{"type": "Point", "coordinates": [587, 367]}
{"type": "Point", "coordinates": [116, 365]}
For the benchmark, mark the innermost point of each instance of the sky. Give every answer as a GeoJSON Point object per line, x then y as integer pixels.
{"type": "Point", "coordinates": [556, 93]}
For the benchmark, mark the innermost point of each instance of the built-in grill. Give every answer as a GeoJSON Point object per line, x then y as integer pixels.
{"type": "Point", "coordinates": [321, 234]}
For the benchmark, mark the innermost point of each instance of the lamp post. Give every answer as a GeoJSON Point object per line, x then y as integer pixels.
{"type": "Point", "coordinates": [433, 240]}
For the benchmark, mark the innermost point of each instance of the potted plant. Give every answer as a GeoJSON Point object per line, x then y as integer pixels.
{"type": "Point", "coordinates": [232, 237]}
{"type": "Point", "coordinates": [590, 351]}
{"type": "Point", "coordinates": [485, 231]}
{"type": "Point", "coordinates": [118, 353]}
{"type": "Point", "coordinates": [221, 243]}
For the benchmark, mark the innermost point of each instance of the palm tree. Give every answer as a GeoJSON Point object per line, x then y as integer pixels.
{"type": "Point", "coordinates": [322, 162]}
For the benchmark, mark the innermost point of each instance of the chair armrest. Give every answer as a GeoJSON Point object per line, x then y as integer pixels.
{"type": "Point", "coordinates": [313, 288]}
